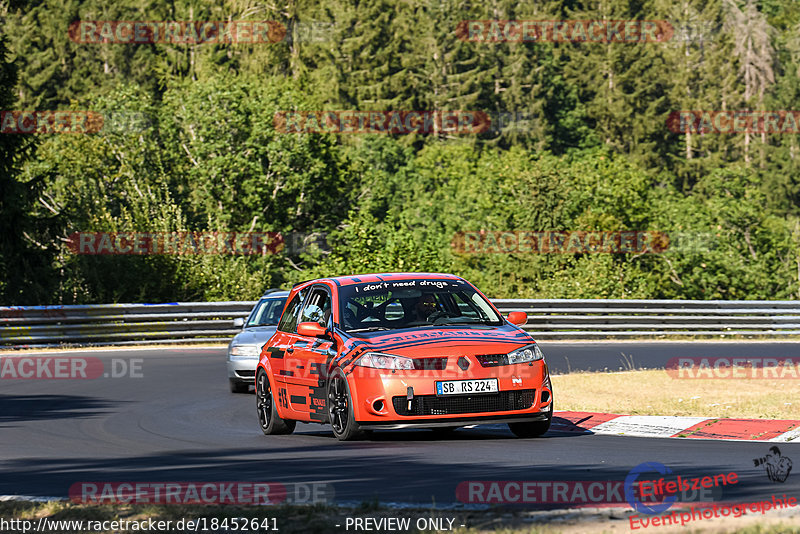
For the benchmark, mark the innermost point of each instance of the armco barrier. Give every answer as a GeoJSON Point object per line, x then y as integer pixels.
{"type": "Point", "coordinates": [119, 324]}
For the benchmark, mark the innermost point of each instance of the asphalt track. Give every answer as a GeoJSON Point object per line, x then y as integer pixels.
{"type": "Point", "coordinates": [178, 422]}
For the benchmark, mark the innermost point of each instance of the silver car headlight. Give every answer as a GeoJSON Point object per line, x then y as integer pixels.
{"type": "Point", "coordinates": [244, 351]}
{"type": "Point", "coordinates": [528, 353]}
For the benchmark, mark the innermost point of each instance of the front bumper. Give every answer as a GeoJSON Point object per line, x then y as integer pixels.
{"type": "Point", "coordinates": [243, 370]}
{"type": "Point", "coordinates": [472, 420]}
{"type": "Point", "coordinates": [405, 399]}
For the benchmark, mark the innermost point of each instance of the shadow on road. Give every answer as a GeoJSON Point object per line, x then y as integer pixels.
{"type": "Point", "coordinates": [18, 408]}
{"type": "Point", "coordinates": [401, 471]}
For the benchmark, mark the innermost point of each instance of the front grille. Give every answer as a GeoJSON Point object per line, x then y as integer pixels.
{"type": "Point", "coordinates": [492, 360]}
{"type": "Point", "coordinates": [430, 364]}
{"type": "Point", "coordinates": [504, 401]}
{"type": "Point", "coordinates": [246, 374]}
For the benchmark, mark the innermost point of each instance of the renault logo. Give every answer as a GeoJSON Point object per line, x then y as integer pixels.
{"type": "Point", "coordinates": [463, 363]}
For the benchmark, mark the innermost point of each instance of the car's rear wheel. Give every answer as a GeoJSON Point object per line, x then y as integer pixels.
{"type": "Point", "coordinates": [340, 408]}
{"type": "Point", "coordinates": [237, 386]}
{"type": "Point", "coordinates": [268, 418]}
{"type": "Point", "coordinates": [532, 429]}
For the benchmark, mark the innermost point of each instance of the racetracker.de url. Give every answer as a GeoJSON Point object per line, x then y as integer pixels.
{"type": "Point", "coordinates": [244, 525]}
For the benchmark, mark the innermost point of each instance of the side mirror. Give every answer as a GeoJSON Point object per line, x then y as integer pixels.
{"type": "Point", "coordinates": [238, 322]}
{"type": "Point", "coordinates": [312, 330]}
{"type": "Point", "coordinates": [518, 318]}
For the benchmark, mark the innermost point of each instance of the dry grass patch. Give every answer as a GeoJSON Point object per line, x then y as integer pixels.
{"type": "Point", "coordinates": [655, 392]}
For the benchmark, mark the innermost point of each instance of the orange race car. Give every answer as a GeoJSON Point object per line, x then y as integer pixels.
{"type": "Point", "coordinates": [400, 350]}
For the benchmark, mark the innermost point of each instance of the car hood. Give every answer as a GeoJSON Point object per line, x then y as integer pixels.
{"type": "Point", "coordinates": [255, 335]}
{"type": "Point", "coordinates": [497, 339]}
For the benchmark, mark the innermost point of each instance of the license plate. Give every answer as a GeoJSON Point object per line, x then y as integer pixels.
{"type": "Point", "coordinates": [461, 387]}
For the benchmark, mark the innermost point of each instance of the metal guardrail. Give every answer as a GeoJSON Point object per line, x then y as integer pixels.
{"type": "Point", "coordinates": [121, 324]}
{"type": "Point", "coordinates": [620, 318]}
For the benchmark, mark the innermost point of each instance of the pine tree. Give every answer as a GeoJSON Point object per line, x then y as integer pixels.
{"type": "Point", "coordinates": [24, 258]}
{"type": "Point", "coordinates": [623, 85]}
{"type": "Point", "coordinates": [752, 36]}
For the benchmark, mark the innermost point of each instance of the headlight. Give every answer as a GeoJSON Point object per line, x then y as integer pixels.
{"type": "Point", "coordinates": [529, 353]}
{"type": "Point", "coordinates": [376, 360]}
{"type": "Point", "coordinates": [245, 351]}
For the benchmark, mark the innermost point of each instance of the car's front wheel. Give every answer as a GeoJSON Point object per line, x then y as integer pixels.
{"type": "Point", "coordinates": [340, 408]}
{"type": "Point", "coordinates": [268, 418]}
{"type": "Point", "coordinates": [532, 429]}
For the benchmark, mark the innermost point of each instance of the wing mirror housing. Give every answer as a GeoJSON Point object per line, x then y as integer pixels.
{"type": "Point", "coordinates": [518, 318]}
{"type": "Point", "coordinates": [312, 329]}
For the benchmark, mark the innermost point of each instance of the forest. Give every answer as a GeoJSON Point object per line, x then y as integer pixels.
{"type": "Point", "coordinates": [608, 138]}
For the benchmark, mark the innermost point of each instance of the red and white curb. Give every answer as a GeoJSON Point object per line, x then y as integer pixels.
{"type": "Point", "coordinates": [657, 426]}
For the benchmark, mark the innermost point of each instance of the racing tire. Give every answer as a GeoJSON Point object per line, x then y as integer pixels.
{"type": "Point", "coordinates": [340, 408]}
{"type": "Point", "coordinates": [532, 429]}
{"type": "Point", "coordinates": [269, 420]}
{"type": "Point", "coordinates": [237, 386]}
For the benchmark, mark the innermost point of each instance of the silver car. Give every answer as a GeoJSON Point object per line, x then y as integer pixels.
{"type": "Point", "coordinates": [245, 347]}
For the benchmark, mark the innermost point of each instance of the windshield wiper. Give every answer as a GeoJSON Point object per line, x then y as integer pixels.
{"type": "Point", "coordinates": [460, 320]}
{"type": "Point", "coordinates": [370, 329]}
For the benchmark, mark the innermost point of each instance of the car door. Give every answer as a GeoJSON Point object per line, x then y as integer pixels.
{"type": "Point", "coordinates": [306, 362]}
{"type": "Point", "coordinates": [282, 341]}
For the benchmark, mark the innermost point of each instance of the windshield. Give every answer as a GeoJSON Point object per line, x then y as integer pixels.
{"type": "Point", "coordinates": [398, 304]}
{"type": "Point", "coordinates": [267, 312]}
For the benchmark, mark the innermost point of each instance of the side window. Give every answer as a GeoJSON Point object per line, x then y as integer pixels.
{"type": "Point", "coordinates": [275, 311]}
{"type": "Point", "coordinates": [317, 309]}
{"type": "Point", "coordinates": [289, 319]}
{"type": "Point", "coordinates": [467, 307]}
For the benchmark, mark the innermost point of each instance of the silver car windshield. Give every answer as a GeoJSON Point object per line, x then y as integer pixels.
{"type": "Point", "coordinates": [267, 312]}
